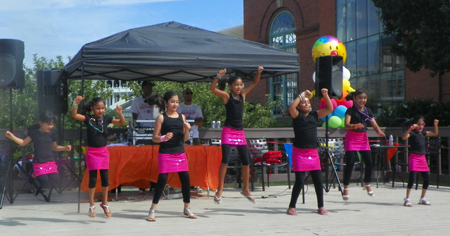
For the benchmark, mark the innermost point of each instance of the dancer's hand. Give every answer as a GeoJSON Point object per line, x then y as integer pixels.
{"type": "Point", "coordinates": [260, 69]}
{"type": "Point", "coordinates": [222, 72]}
{"type": "Point", "coordinates": [187, 125]}
{"type": "Point", "coordinates": [8, 134]}
{"type": "Point", "coordinates": [414, 126]}
{"type": "Point", "coordinates": [359, 126]}
{"type": "Point", "coordinates": [436, 122]}
{"type": "Point", "coordinates": [324, 92]}
{"type": "Point", "coordinates": [68, 148]}
{"type": "Point", "coordinates": [381, 134]}
{"type": "Point", "coordinates": [168, 136]}
{"type": "Point", "coordinates": [118, 109]}
{"type": "Point", "coordinates": [78, 99]}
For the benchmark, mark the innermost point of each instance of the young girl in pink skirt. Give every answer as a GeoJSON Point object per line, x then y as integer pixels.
{"type": "Point", "coordinates": [304, 151]}
{"type": "Point", "coordinates": [417, 162]}
{"type": "Point", "coordinates": [357, 119]}
{"type": "Point", "coordinates": [44, 142]}
{"type": "Point", "coordinates": [97, 155]}
{"type": "Point", "coordinates": [233, 130]}
{"type": "Point", "coordinates": [171, 131]}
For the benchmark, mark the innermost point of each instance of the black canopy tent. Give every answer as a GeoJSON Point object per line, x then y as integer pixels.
{"type": "Point", "coordinates": [174, 52]}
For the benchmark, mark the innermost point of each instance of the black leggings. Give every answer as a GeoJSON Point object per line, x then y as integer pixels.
{"type": "Point", "coordinates": [350, 157]}
{"type": "Point", "coordinates": [48, 181]}
{"type": "Point", "coordinates": [185, 186]}
{"type": "Point", "coordinates": [425, 176]}
{"type": "Point", "coordinates": [93, 178]}
{"type": "Point", "coordinates": [242, 150]}
{"type": "Point", "coordinates": [299, 184]}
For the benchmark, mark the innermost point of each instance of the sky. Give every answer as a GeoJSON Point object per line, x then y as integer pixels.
{"type": "Point", "coordinates": [51, 28]}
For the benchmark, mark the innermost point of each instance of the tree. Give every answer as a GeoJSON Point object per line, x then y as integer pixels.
{"type": "Point", "coordinates": [421, 33]}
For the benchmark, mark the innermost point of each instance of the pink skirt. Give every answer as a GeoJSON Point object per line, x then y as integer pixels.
{"type": "Point", "coordinates": [97, 158]}
{"type": "Point", "coordinates": [417, 163]}
{"type": "Point", "coordinates": [233, 137]}
{"type": "Point", "coordinates": [44, 168]}
{"type": "Point", "coordinates": [305, 159]}
{"type": "Point", "coordinates": [172, 162]}
{"type": "Point", "coordinates": [356, 141]}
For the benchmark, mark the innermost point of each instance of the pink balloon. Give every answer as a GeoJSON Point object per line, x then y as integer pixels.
{"type": "Point", "coordinates": [334, 102]}
{"type": "Point", "coordinates": [347, 104]}
{"type": "Point", "coordinates": [322, 105]}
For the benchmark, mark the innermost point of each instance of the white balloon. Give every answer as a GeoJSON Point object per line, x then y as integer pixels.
{"type": "Point", "coordinates": [314, 77]}
{"type": "Point", "coordinates": [345, 73]}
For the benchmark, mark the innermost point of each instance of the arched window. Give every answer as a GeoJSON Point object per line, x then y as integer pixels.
{"type": "Point", "coordinates": [283, 88]}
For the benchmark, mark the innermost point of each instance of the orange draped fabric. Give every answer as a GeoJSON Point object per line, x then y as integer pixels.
{"type": "Point", "coordinates": [138, 166]}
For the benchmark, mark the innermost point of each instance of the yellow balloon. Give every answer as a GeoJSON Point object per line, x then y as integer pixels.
{"type": "Point", "coordinates": [345, 85]}
{"type": "Point", "coordinates": [351, 90]}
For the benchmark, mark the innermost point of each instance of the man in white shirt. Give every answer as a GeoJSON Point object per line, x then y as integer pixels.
{"type": "Point", "coordinates": [192, 112]}
{"type": "Point", "coordinates": [142, 110]}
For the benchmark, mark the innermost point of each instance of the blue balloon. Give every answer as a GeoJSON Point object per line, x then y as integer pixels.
{"type": "Point", "coordinates": [340, 111]}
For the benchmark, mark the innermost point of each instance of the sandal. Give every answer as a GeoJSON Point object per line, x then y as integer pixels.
{"type": "Point", "coordinates": [149, 218]}
{"type": "Point", "coordinates": [106, 210]}
{"type": "Point", "coordinates": [91, 212]}
{"type": "Point", "coordinates": [370, 193]}
{"type": "Point", "coordinates": [291, 212]}
{"type": "Point", "coordinates": [190, 216]}
{"type": "Point", "coordinates": [407, 203]}
{"type": "Point", "coordinates": [322, 212]}
{"type": "Point", "coordinates": [250, 198]}
{"type": "Point", "coordinates": [424, 201]}
{"type": "Point", "coordinates": [217, 200]}
{"type": "Point", "coordinates": [346, 197]}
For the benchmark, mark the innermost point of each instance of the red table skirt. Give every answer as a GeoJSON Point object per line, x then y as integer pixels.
{"type": "Point", "coordinates": [138, 166]}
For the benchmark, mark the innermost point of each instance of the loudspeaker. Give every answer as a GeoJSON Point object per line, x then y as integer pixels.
{"type": "Point", "coordinates": [52, 91]}
{"type": "Point", "coordinates": [12, 52]}
{"type": "Point", "coordinates": [329, 75]}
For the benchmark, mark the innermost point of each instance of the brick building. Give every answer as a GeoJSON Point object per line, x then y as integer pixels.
{"type": "Point", "coordinates": [295, 25]}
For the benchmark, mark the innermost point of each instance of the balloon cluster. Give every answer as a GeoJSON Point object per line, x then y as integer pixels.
{"type": "Point", "coordinates": [331, 46]}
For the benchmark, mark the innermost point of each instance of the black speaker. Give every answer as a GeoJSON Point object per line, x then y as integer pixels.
{"type": "Point", "coordinates": [52, 91]}
{"type": "Point", "coordinates": [11, 63]}
{"type": "Point", "coordinates": [329, 75]}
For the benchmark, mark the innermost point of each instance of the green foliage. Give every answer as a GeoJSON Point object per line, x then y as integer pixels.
{"type": "Point", "coordinates": [420, 30]}
{"type": "Point", "coordinates": [425, 107]}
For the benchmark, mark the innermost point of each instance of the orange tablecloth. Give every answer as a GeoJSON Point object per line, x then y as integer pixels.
{"type": "Point", "coordinates": [137, 166]}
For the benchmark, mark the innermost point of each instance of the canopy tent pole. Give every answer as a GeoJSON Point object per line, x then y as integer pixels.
{"type": "Point", "coordinates": [80, 149]}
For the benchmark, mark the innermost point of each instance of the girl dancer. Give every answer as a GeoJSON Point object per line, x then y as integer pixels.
{"type": "Point", "coordinates": [304, 153]}
{"type": "Point", "coordinates": [356, 140]}
{"type": "Point", "coordinates": [97, 156]}
{"type": "Point", "coordinates": [44, 142]}
{"type": "Point", "coordinates": [171, 131]}
{"type": "Point", "coordinates": [417, 161]}
{"type": "Point", "coordinates": [233, 130]}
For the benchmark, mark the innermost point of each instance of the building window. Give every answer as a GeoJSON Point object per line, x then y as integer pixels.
{"type": "Point", "coordinates": [372, 66]}
{"type": "Point", "coordinates": [283, 88]}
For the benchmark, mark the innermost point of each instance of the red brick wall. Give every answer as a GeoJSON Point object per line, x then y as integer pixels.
{"type": "Point", "coordinates": [314, 19]}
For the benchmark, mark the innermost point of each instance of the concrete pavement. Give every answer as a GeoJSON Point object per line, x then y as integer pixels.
{"type": "Point", "coordinates": [383, 214]}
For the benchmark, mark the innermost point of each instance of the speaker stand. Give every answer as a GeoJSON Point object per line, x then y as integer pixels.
{"type": "Point", "coordinates": [327, 186]}
{"type": "Point", "coordinates": [8, 187]}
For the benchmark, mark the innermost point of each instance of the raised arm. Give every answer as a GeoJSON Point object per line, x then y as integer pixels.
{"type": "Point", "coordinates": [329, 108]}
{"type": "Point", "coordinates": [19, 141]}
{"type": "Point", "coordinates": [224, 95]}
{"type": "Point", "coordinates": [75, 114]}
{"type": "Point", "coordinates": [121, 121]}
{"type": "Point", "coordinates": [435, 130]}
{"type": "Point", "coordinates": [255, 82]}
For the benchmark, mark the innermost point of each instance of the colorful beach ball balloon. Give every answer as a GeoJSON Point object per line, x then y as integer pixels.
{"type": "Point", "coordinates": [329, 46]}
